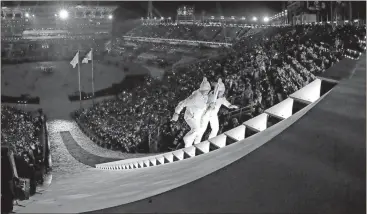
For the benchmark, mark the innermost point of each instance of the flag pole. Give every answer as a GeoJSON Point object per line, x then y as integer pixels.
{"type": "Point", "coordinates": [92, 76]}
{"type": "Point", "coordinates": [80, 92]}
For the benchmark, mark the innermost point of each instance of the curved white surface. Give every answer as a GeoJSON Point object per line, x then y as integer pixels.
{"type": "Point", "coordinates": [96, 189]}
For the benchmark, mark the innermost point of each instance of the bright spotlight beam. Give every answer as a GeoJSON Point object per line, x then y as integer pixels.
{"type": "Point", "coordinates": [63, 14]}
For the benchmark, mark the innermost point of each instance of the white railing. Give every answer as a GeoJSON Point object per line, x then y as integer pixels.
{"type": "Point", "coordinates": [282, 111]}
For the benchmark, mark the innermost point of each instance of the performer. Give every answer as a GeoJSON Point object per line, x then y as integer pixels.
{"type": "Point", "coordinates": [195, 107]}
{"type": "Point", "coordinates": [216, 100]}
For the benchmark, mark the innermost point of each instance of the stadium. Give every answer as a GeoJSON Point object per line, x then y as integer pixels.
{"type": "Point", "coordinates": [183, 107]}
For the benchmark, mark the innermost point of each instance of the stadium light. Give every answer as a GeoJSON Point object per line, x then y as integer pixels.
{"type": "Point", "coordinates": [110, 17]}
{"type": "Point", "coordinates": [254, 18]}
{"type": "Point", "coordinates": [63, 14]}
{"type": "Point", "coordinates": [27, 15]}
{"type": "Point", "coordinates": [266, 19]}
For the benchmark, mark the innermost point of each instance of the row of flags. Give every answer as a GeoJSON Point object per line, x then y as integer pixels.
{"type": "Point", "coordinates": [86, 59]}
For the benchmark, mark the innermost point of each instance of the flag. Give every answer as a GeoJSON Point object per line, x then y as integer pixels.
{"type": "Point", "coordinates": [87, 57]}
{"type": "Point", "coordinates": [75, 60]}
{"type": "Point", "coordinates": [108, 46]}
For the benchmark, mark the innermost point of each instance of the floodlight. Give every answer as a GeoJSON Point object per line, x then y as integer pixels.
{"type": "Point", "coordinates": [110, 17]}
{"type": "Point", "coordinates": [63, 14]}
{"type": "Point", "coordinates": [266, 19]}
{"type": "Point", "coordinates": [254, 19]}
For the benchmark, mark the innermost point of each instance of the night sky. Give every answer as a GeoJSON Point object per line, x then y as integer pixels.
{"type": "Point", "coordinates": [137, 9]}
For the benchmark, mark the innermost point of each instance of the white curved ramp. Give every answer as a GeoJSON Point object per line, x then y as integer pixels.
{"type": "Point", "coordinates": [96, 189]}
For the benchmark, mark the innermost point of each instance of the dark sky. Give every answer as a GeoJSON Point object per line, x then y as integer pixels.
{"type": "Point", "coordinates": [137, 9]}
{"type": "Point", "coordinates": [227, 8]}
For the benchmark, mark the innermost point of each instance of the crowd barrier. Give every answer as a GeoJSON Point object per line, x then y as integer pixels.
{"type": "Point", "coordinates": [20, 100]}
{"type": "Point", "coordinates": [279, 112]}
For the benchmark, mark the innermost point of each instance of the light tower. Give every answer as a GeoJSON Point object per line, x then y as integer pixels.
{"type": "Point", "coordinates": [150, 10]}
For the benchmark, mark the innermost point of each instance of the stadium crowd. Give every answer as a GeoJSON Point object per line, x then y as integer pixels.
{"type": "Point", "coordinates": [260, 70]}
{"type": "Point", "coordinates": [20, 132]}
{"type": "Point", "coordinates": [188, 32]}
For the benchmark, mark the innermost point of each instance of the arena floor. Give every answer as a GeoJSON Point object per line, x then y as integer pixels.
{"type": "Point", "coordinates": [54, 88]}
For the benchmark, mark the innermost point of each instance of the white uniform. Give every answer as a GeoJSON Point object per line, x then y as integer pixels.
{"type": "Point", "coordinates": [195, 105]}
{"type": "Point", "coordinates": [211, 115]}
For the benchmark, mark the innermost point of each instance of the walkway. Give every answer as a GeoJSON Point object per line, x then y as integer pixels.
{"type": "Point", "coordinates": [318, 165]}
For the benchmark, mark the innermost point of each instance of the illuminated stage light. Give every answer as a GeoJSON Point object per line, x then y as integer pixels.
{"type": "Point", "coordinates": [110, 17]}
{"type": "Point", "coordinates": [266, 19]}
{"type": "Point", "coordinates": [254, 19]}
{"type": "Point", "coordinates": [27, 15]}
{"type": "Point", "coordinates": [64, 14]}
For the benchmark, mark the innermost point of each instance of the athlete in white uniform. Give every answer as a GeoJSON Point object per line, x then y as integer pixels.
{"type": "Point", "coordinates": [196, 105]}
{"type": "Point", "coordinates": [216, 100]}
